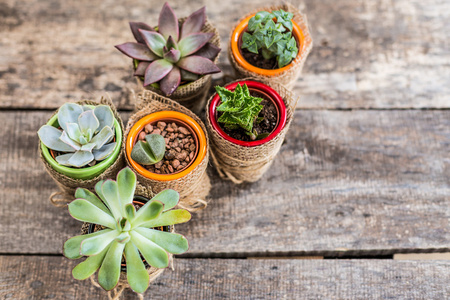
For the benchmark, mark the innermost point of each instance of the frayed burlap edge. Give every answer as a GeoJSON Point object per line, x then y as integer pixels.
{"type": "Point", "coordinates": [240, 164]}
{"type": "Point", "coordinates": [193, 95]}
{"type": "Point", "coordinates": [68, 185]}
{"type": "Point", "coordinates": [193, 187]}
{"type": "Point", "coordinates": [289, 76]}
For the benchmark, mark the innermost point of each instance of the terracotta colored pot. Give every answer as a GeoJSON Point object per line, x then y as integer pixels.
{"type": "Point", "coordinates": [236, 40]}
{"type": "Point", "coordinates": [261, 88]}
{"type": "Point", "coordinates": [167, 116]}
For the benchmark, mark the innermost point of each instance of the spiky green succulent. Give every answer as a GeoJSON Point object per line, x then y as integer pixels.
{"type": "Point", "coordinates": [86, 134]}
{"type": "Point", "coordinates": [150, 151]}
{"type": "Point", "coordinates": [127, 232]}
{"type": "Point", "coordinates": [174, 52]}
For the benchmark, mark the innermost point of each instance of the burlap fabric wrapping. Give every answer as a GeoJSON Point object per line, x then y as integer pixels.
{"type": "Point", "coordinates": [193, 187]}
{"type": "Point", "coordinates": [68, 185]}
{"type": "Point", "coordinates": [238, 163]}
{"type": "Point", "coordinates": [193, 95]}
{"type": "Point", "coordinates": [289, 76]}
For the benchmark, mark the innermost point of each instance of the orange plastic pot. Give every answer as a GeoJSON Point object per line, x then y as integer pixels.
{"type": "Point", "coordinates": [161, 116]}
{"type": "Point", "coordinates": [236, 38]}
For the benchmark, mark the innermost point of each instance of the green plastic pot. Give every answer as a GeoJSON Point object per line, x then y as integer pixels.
{"type": "Point", "coordinates": [86, 172]}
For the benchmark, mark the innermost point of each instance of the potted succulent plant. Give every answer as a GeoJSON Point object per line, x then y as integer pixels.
{"type": "Point", "coordinates": [166, 145]}
{"type": "Point", "coordinates": [272, 43]}
{"type": "Point", "coordinates": [81, 144]}
{"type": "Point", "coordinates": [126, 232]}
{"type": "Point", "coordinates": [247, 121]}
{"type": "Point", "coordinates": [175, 58]}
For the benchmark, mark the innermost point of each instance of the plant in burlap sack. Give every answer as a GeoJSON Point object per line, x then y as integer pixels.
{"type": "Point", "coordinates": [85, 137]}
{"type": "Point", "coordinates": [271, 39]}
{"type": "Point", "coordinates": [150, 151]}
{"type": "Point", "coordinates": [126, 231]}
{"type": "Point", "coordinates": [172, 53]}
{"type": "Point", "coordinates": [240, 109]}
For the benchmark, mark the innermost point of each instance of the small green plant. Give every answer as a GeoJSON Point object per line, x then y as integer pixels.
{"type": "Point", "coordinates": [127, 231]}
{"type": "Point", "coordinates": [271, 39]}
{"type": "Point", "coordinates": [173, 53]}
{"type": "Point", "coordinates": [86, 134]}
{"type": "Point", "coordinates": [239, 108]}
{"type": "Point", "coordinates": [149, 152]}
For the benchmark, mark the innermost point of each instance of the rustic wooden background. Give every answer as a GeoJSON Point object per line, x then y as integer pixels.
{"type": "Point", "coordinates": [364, 172]}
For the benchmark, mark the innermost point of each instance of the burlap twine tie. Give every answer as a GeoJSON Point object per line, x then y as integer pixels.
{"type": "Point", "coordinates": [238, 163]}
{"type": "Point", "coordinates": [193, 187]}
{"type": "Point", "coordinates": [289, 76]}
{"type": "Point", "coordinates": [68, 185]}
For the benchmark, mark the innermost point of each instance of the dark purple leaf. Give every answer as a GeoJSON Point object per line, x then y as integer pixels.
{"type": "Point", "coordinates": [140, 70]}
{"type": "Point", "coordinates": [137, 51]}
{"type": "Point", "coordinates": [193, 42]}
{"type": "Point", "coordinates": [188, 76]}
{"type": "Point", "coordinates": [173, 55]}
{"type": "Point", "coordinates": [194, 23]}
{"type": "Point", "coordinates": [208, 51]}
{"type": "Point", "coordinates": [156, 71]}
{"type": "Point", "coordinates": [135, 26]}
{"type": "Point", "coordinates": [154, 41]}
{"type": "Point", "coordinates": [198, 65]}
{"type": "Point", "coordinates": [169, 84]}
{"type": "Point", "coordinates": [168, 22]}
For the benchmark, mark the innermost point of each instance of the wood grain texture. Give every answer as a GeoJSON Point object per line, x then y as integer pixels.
{"type": "Point", "coordinates": [367, 54]}
{"type": "Point", "coordinates": [359, 181]}
{"type": "Point", "coordinates": [30, 277]}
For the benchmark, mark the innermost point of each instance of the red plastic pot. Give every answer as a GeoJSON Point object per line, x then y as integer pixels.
{"type": "Point", "coordinates": [252, 85]}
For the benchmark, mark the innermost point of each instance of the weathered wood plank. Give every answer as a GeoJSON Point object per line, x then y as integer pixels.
{"type": "Point", "coordinates": [362, 180]}
{"type": "Point", "coordinates": [35, 277]}
{"type": "Point", "coordinates": [367, 54]}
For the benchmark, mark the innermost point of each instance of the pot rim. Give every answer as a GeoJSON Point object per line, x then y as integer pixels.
{"type": "Point", "coordinates": [275, 97]}
{"type": "Point", "coordinates": [86, 172]}
{"type": "Point", "coordinates": [160, 116]}
{"type": "Point", "coordinates": [235, 37]}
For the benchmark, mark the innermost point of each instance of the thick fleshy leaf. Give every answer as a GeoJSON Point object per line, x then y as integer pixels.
{"type": "Point", "coordinates": [171, 242]}
{"type": "Point", "coordinates": [88, 267]}
{"type": "Point", "coordinates": [80, 159]}
{"type": "Point", "coordinates": [168, 22]}
{"type": "Point", "coordinates": [66, 139]}
{"type": "Point", "coordinates": [168, 218]}
{"type": "Point", "coordinates": [156, 71]}
{"type": "Point", "coordinates": [149, 211]}
{"type": "Point", "coordinates": [102, 137]}
{"type": "Point", "coordinates": [105, 116]}
{"type": "Point", "coordinates": [69, 113]}
{"type": "Point", "coordinates": [154, 41]}
{"type": "Point", "coordinates": [91, 197]}
{"type": "Point", "coordinates": [171, 43]}
{"type": "Point", "coordinates": [73, 245]}
{"type": "Point", "coordinates": [98, 191]}
{"type": "Point", "coordinates": [167, 197]}
{"type": "Point", "coordinates": [104, 151]}
{"type": "Point", "coordinates": [83, 210]}
{"type": "Point", "coordinates": [155, 255]}
{"type": "Point", "coordinates": [193, 42]}
{"type": "Point", "coordinates": [137, 275]}
{"type": "Point", "coordinates": [198, 65]}
{"type": "Point", "coordinates": [130, 211]}
{"type": "Point", "coordinates": [126, 181]}
{"type": "Point", "coordinates": [137, 51]}
{"type": "Point", "coordinates": [109, 273]}
{"type": "Point", "coordinates": [73, 131]}
{"type": "Point", "coordinates": [110, 191]}
{"type": "Point", "coordinates": [135, 26]}
{"type": "Point", "coordinates": [88, 120]}
{"type": "Point", "coordinates": [149, 152]}
{"type": "Point", "coordinates": [96, 244]}
{"type": "Point", "coordinates": [188, 76]}
{"type": "Point", "coordinates": [171, 82]}
{"type": "Point", "coordinates": [194, 23]}
{"type": "Point", "coordinates": [140, 70]}
{"type": "Point", "coordinates": [88, 147]}
{"type": "Point", "coordinates": [209, 51]}
{"type": "Point", "coordinates": [172, 55]}
{"type": "Point", "coordinates": [64, 159]}
{"type": "Point", "coordinates": [50, 137]}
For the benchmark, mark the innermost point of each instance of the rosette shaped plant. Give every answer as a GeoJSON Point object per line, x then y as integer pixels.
{"type": "Point", "coordinates": [173, 53]}
{"type": "Point", "coordinates": [126, 232]}
{"type": "Point", "coordinates": [86, 134]}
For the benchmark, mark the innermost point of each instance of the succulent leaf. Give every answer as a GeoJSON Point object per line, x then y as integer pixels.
{"type": "Point", "coordinates": [69, 113]}
{"type": "Point", "coordinates": [91, 197]}
{"type": "Point", "coordinates": [167, 197]}
{"type": "Point", "coordinates": [126, 181]}
{"type": "Point", "coordinates": [88, 147]}
{"type": "Point", "coordinates": [87, 120]}
{"type": "Point", "coordinates": [130, 211]}
{"type": "Point", "coordinates": [83, 210]}
{"type": "Point", "coordinates": [171, 43]}
{"type": "Point", "coordinates": [109, 273]}
{"type": "Point", "coordinates": [104, 151]}
{"type": "Point", "coordinates": [154, 41]}
{"type": "Point", "coordinates": [149, 152]}
{"type": "Point", "coordinates": [140, 69]}
{"type": "Point", "coordinates": [156, 71]}
{"type": "Point", "coordinates": [80, 158]}
{"type": "Point", "coordinates": [105, 117]}
{"type": "Point", "coordinates": [50, 137]}
{"type": "Point", "coordinates": [102, 137]}
{"type": "Point", "coordinates": [194, 23]}
{"type": "Point", "coordinates": [209, 51]}
{"type": "Point", "coordinates": [188, 76]}
{"type": "Point", "coordinates": [64, 159]}
{"type": "Point", "coordinates": [168, 22]}
{"type": "Point", "coordinates": [155, 255]}
{"type": "Point", "coordinates": [137, 275]}
{"type": "Point", "coordinates": [96, 244]}
{"type": "Point", "coordinates": [135, 26]}
{"type": "Point", "coordinates": [170, 217]}
{"type": "Point", "coordinates": [198, 65]}
{"type": "Point", "coordinates": [172, 55]}
{"type": "Point", "coordinates": [137, 51]}
{"type": "Point", "coordinates": [76, 145]}
{"type": "Point", "coordinates": [73, 131]}
{"type": "Point", "coordinates": [172, 80]}
{"type": "Point", "coordinates": [171, 242]}
{"type": "Point", "coordinates": [193, 42]}
{"type": "Point", "coordinates": [72, 246]}
{"type": "Point", "coordinates": [149, 211]}
{"type": "Point", "coordinates": [110, 191]}
{"type": "Point", "coordinates": [88, 267]}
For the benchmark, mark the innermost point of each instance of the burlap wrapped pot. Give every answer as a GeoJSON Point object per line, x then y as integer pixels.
{"type": "Point", "coordinates": [67, 185]}
{"type": "Point", "coordinates": [193, 95]}
{"type": "Point", "coordinates": [193, 187]}
{"type": "Point", "coordinates": [289, 76]}
{"type": "Point", "coordinates": [239, 163]}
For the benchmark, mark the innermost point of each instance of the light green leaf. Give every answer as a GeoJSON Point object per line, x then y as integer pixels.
{"type": "Point", "coordinates": [171, 242]}
{"type": "Point", "coordinates": [110, 191]}
{"type": "Point", "coordinates": [126, 180]}
{"type": "Point", "coordinates": [94, 245]}
{"type": "Point", "coordinates": [88, 120]}
{"type": "Point", "coordinates": [69, 113]}
{"type": "Point", "coordinates": [50, 137]}
{"type": "Point", "coordinates": [148, 212]}
{"type": "Point", "coordinates": [104, 152]}
{"type": "Point", "coordinates": [168, 218]}
{"type": "Point", "coordinates": [102, 137]}
{"type": "Point", "coordinates": [109, 273]}
{"type": "Point", "coordinates": [73, 131]}
{"type": "Point", "coordinates": [91, 197]}
{"type": "Point", "coordinates": [66, 139]}
{"type": "Point", "coordinates": [167, 197]}
{"type": "Point", "coordinates": [80, 159]}
{"type": "Point", "coordinates": [154, 255]}
{"type": "Point", "coordinates": [85, 211]}
{"type": "Point", "coordinates": [137, 275]}
{"type": "Point", "coordinates": [105, 117]}
{"type": "Point", "coordinates": [72, 246]}
{"type": "Point", "coordinates": [88, 267]}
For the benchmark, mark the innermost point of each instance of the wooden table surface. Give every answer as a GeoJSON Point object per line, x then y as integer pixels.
{"type": "Point", "coordinates": [364, 173]}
